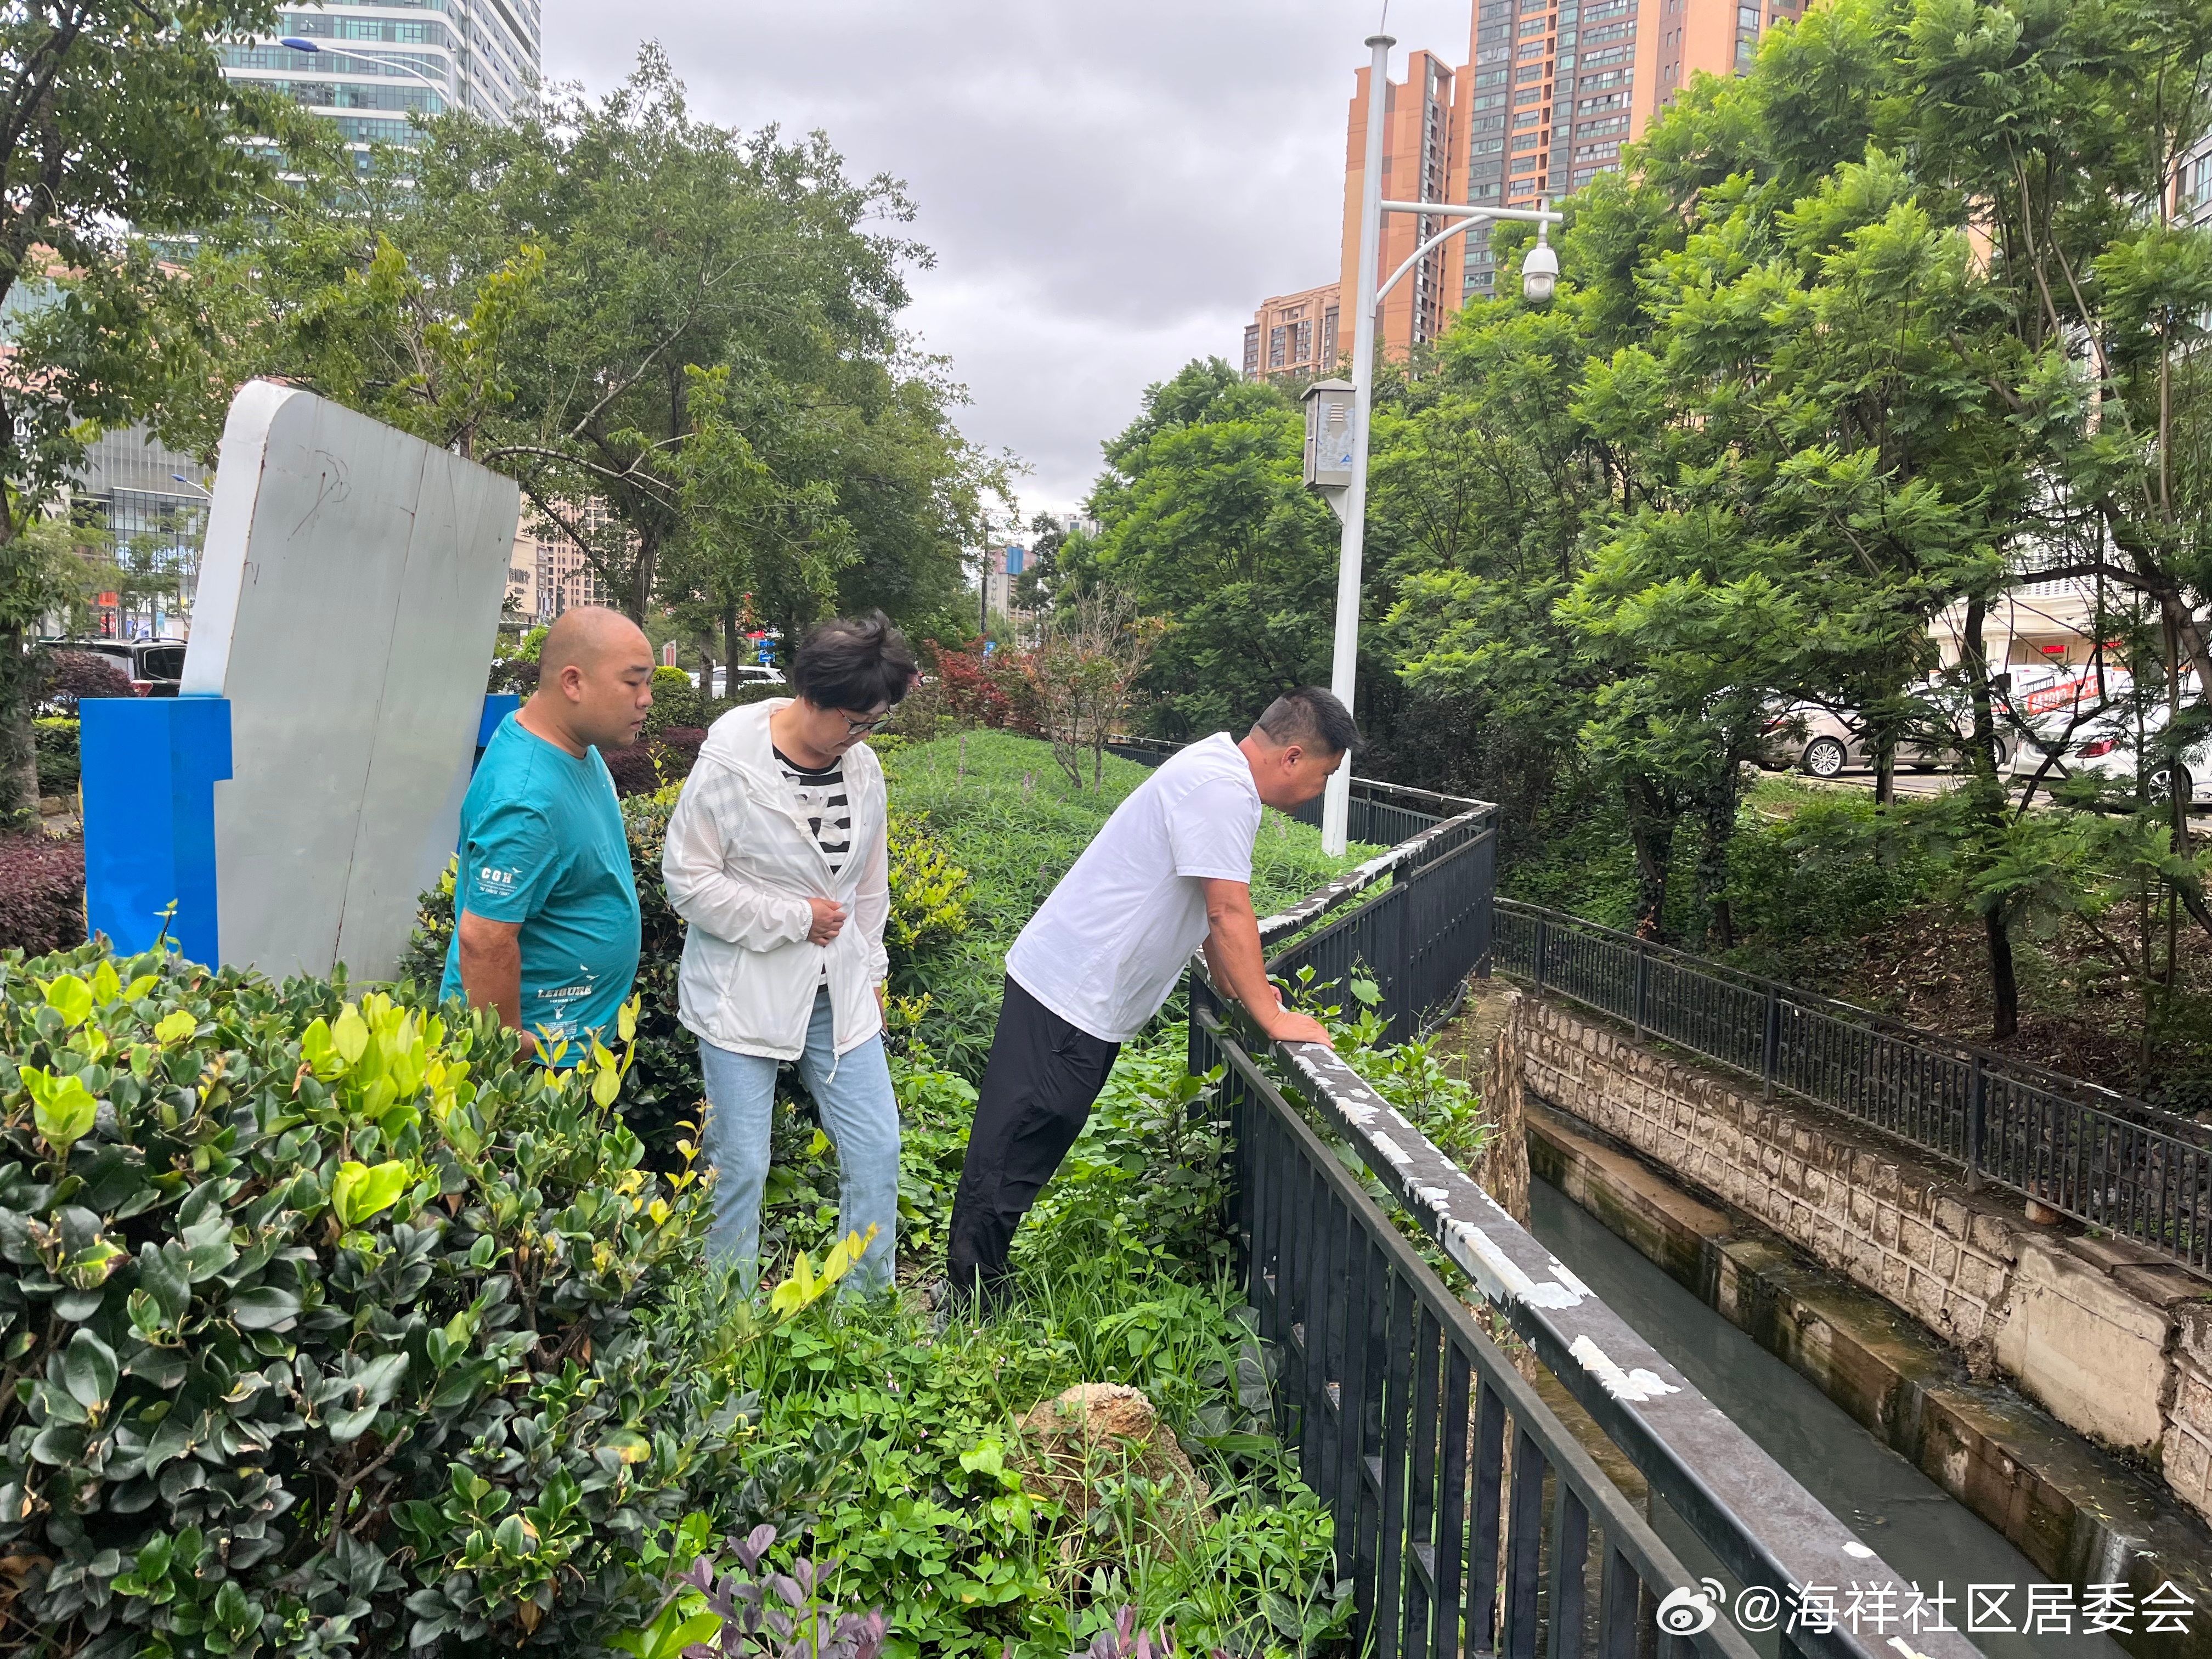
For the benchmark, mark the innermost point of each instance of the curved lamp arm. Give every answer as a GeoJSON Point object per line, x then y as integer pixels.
{"type": "Point", "coordinates": [1468, 218]}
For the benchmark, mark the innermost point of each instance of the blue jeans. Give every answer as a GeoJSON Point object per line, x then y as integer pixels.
{"type": "Point", "coordinates": [859, 1112]}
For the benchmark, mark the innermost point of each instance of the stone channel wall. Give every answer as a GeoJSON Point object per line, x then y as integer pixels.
{"type": "Point", "coordinates": [2114, 1343]}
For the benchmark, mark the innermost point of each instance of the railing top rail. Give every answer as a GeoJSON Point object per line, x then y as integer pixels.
{"type": "Point", "coordinates": [1756, 1515]}
{"type": "Point", "coordinates": [1413, 850]}
{"type": "Point", "coordinates": [2028, 1071]}
{"type": "Point", "coordinates": [1442, 805]}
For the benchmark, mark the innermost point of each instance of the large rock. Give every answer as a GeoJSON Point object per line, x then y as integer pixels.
{"type": "Point", "coordinates": [1104, 1431]}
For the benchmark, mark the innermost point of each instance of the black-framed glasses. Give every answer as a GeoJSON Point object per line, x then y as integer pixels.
{"type": "Point", "coordinates": [861, 728]}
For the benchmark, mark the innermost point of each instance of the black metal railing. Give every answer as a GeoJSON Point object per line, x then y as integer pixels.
{"type": "Point", "coordinates": [2094, 1154]}
{"type": "Point", "coordinates": [1472, 1520]}
{"type": "Point", "coordinates": [1468, 1518]}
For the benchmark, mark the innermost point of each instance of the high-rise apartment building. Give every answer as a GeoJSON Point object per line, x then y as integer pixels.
{"type": "Point", "coordinates": [1552, 90]}
{"type": "Point", "coordinates": [481, 56]}
{"type": "Point", "coordinates": [1292, 336]}
{"type": "Point", "coordinates": [1419, 137]}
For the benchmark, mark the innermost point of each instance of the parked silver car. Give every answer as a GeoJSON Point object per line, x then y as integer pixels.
{"type": "Point", "coordinates": [1827, 741]}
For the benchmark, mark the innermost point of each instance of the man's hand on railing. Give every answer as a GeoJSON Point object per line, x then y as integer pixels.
{"type": "Point", "coordinates": [1232, 953]}
{"type": "Point", "coordinates": [1288, 1025]}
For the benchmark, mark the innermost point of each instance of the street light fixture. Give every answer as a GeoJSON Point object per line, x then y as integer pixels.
{"type": "Point", "coordinates": [300, 42]}
{"type": "Point", "coordinates": [1346, 453]}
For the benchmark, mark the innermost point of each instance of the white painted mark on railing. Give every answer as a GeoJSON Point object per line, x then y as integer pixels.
{"type": "Point", "coordinates": [1636, 1386]}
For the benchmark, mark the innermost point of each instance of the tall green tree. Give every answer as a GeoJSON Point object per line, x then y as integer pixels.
{"type": "Point", "coordinates": [1205, 519]}
{"type": "Point", "coordinates": [613, 301]}
{"type": "Point", "coordinates": [116, 125]}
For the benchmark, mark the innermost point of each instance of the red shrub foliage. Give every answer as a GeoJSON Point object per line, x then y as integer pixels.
{"type": "Point", "coordinates": [73, 674]}
{"type": "Point", "coordinates": [989, 690]}
{"type": "Point", "coordinates": [650, 763]}
{"type": "Point", "coordinates": [41, 893]}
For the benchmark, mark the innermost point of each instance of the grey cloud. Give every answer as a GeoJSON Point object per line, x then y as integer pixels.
{"type": "Point", "coordinates": [1108, 189]}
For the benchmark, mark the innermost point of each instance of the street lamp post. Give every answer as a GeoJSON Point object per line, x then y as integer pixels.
{"type": "Point", "coordinates": [1540, 272]}
{"type": "Point", "coordinates": [300, 42]}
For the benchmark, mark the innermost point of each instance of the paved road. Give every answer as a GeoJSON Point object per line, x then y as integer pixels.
{"type": "Point", "coordinates": [1937, 783]}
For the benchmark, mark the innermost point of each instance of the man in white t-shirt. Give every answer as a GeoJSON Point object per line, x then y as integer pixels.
{"type": "Point", "coordinates": [1172, 869]}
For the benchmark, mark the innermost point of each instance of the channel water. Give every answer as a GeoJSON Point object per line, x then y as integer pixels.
{"type": "Point", "coordinates": [1910, 1521]}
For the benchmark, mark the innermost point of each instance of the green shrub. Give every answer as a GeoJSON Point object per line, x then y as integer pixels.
{"type": "Point", "coordinates": [59, 765]}
{"type": "Point", "coordinates": [676, 701]}
{"type": "Point", "coordinates": [1828, 863]}
{"type": "Point", "coordinates": [332, 1323]}
{"type": "Point", "coordinates": [927, 888]}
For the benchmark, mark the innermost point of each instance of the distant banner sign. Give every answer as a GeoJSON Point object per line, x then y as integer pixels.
{"type": "Point", "coordinates": [2060, 696]}
{"type": "Point", "coordinates": [1014, 562]}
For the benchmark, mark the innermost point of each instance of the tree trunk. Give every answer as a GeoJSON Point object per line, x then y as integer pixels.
{"type": "Point", "coordinates": [1651, 834]}
{"type": "Point", "coordinates": [731, 636]}
{"type": "Point", "coordinates": [19, 752]}
{"type": "Point", "coordinates": [1722, 795]}
{"type": "Point", "coordinates": [1885, 774]}
{"type": "Point", "coordinates": [1988, 810]}
{"type": "Point", "coordinates": [640, 596]}
{"type": "Point", "coordinates": [2004, 988]}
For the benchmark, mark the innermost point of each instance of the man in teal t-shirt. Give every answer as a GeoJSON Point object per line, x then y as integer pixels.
{"type": "Point", "coordinates": [545, 917]}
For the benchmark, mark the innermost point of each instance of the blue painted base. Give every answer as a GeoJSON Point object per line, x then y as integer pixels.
{"type": "Point", "coordinates": [150, 766]}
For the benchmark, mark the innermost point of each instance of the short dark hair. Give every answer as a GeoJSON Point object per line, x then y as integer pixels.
{"type": "Point", "coordinates": [853, 663]}
{"type": "Point", "coordinates": [1313, 717]}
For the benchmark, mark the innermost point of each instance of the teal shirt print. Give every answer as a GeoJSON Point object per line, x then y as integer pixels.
{"type": "Point", "coordinates": [542, 844]}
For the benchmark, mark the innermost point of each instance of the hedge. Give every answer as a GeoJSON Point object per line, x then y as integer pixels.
{"type": "Point", "coordinates": [328, 1328]}
{"type": "Point", "coordinates": [41, 893]}
{"type": "Point", "coordinates": [60, 765]}
{"type": "Point", "coordinates": [654, 760]}
{"type": "Point", "coordinates": [67, 675]}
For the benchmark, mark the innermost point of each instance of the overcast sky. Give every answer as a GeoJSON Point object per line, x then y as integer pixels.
{"type": "Point", "coordinates": [1110, 186]}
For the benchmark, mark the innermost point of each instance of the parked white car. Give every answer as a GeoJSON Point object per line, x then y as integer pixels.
{"type": "Point", "coordinates": [2089, 723]}
{"type": "Point", "coordinates": [749, 673]}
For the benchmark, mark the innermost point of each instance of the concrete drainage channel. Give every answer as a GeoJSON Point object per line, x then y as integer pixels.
{"type": "Point", "coordinates": [1863, 1406]}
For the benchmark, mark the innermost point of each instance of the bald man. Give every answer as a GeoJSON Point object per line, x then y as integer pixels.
{"type": "Point", "coordinates": [545, 913]}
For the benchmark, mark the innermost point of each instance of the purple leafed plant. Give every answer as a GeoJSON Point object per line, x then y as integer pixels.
{"type": "Point", "coordinates": [1125, 1639]}
{"type": "Point", "coordinates": [766, 1614]}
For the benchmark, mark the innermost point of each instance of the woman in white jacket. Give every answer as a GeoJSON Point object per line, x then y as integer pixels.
{"type": "Point", "coordinates": [776, 857]}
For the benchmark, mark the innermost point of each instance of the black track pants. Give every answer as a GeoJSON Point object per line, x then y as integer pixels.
{"type": "Point", "coordinates": [1037, 1089]}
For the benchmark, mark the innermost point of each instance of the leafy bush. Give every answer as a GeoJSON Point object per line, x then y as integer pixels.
{"type": "Point", "coordinates": [984, 690]}
{"type": "Point", "coordinates": [927, 885]}
{"type": "Point", "coordinates": [1828, 865]}
{"type": "Point", "coordinates": [332, 1323]}
{"type": "Point", "coordinates": [69, 675]}
{"type": "Point", "coordinates": [41, 893]}
{"type": "Point", "coordinates": [515, 674]}
{"type": "Point", "coordinates": [676, 701]}
{"type": "Point", "coordinates": [59, 765]}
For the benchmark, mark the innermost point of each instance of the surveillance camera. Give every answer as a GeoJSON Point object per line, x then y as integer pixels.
{"type": "Point", "coordinates": [1540, 274]}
